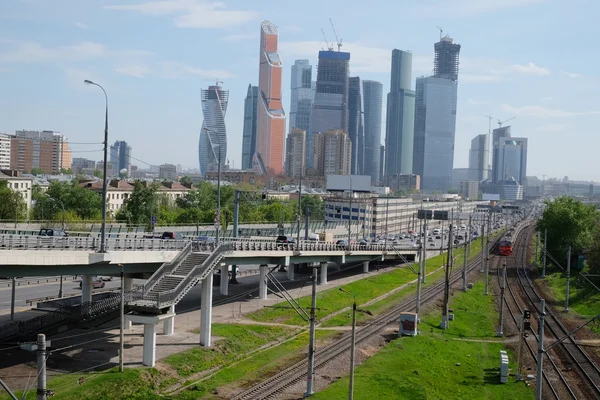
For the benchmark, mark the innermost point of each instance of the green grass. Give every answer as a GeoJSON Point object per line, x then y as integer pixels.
{"type": "Point", "coordinates": [424, 367]}
{"type": "Point", "coordinates": [252, 370]}
{"type": "Point", "coordinates": [238, 340]}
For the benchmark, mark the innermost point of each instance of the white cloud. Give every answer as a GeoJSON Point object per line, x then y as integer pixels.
{"type": "Point", "coordinates": [538, 111]}
{"type": "Point", "coordinates": [552, 128]}
{"type": "Point", "coordinates": [572, 75]}
{"type": "Point", "coordinates": [475, 78]}
{"type": "Point", "coordinates": [476, 103]}
{"type": "Point", "coordinates": [81, 25]}
{"type": "Point", "coordinates": [176, 70]}
{"type": "Point", "coordinates": [468, 8]}
{"type": "Point", "coordinates": [192, 13]}
{"type": "Point", "coordinates": [137, 71]}
{"type": "Point", "coordinates": [32, 52]}
{"type": "Point", "coordinates": [238, 37]}
{"type": "Point", "coordinates": [530, 69]}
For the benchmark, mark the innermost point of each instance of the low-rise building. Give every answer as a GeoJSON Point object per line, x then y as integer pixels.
{"type": "Point", "coordinates": [20, 184]}
{"type": "Point", "coordinates": [405, 182]}
{"type": "Point", "coordinates": [469, 190]}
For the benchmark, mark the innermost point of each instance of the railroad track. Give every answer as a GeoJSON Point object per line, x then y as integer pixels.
{"type": "Point", "coordinates": [573, 354]}
{"type": "Point", "coordinates": [551, 371]}
{"type": "Point", "coordinates": [275, 385]}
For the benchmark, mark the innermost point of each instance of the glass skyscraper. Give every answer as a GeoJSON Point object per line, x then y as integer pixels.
{"type": "Point", "coordinates": [212, 148]}
{"type": "Point", "coordinates": [400, 118]}
{"type": "Point", "coordinates": [249, 130]}
{"type": "Point", "coordinates": [302, 96]}
{"type": "Point", "coordinates": [373, 98]}
{"type": "Point", "coordinates": [355, 125]}
{"type": "Point", "coordinates": [120, 157]}
{"type": "Point", "coordinates": [479, 158]}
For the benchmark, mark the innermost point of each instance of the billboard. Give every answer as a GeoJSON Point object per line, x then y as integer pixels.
{"type": "Point", "coordinates": [346, 183]}
{"type": "Point", "coordinates": [490, 197]}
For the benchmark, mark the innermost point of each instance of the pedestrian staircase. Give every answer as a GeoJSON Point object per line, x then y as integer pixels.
{"type": "Point", "coordinates": [173, 280]}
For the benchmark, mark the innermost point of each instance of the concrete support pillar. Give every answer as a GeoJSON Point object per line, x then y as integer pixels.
{"type": "Point", "coordinates": [169, 323]}
{"type": "Point", "coordinates": [224, 286]}
{"type": "Point", "coordinates": [128, 286]}
{"type": "Point", "coordinates": [149, 344]}
{"type": "Point", "coordinates": [262, 288]}
{"type": "Point", "coordinates": [86, 288]}
{"type": "Point", "coordinates": [290, 271]}
{"type": "Point", "coordinates": [323, 273]}
{"type": "Point", "coordinates": [365, 266]}
{"type": "Point", "coordinates": [206, 311]}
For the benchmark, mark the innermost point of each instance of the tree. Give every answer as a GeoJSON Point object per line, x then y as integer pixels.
{"type": "Point", "coordinates": [66, 171]}
{"type": "Point", "coordinates": [12, 205]}
{"type": "Point", "coordinates": [569, 222]}
{"type": "Point", "coordinates": [37, 171]}
{"type": "Point", "coordinates": [185, 180]}
{"type": "Point", "coordinates": [140, 206]}
{"type": "Point", "coordinates": [97, 173]}
{"type": "Point", "coordinates": [79, 203]}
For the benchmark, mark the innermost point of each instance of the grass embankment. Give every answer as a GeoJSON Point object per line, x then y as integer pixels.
{"type": "Point", "coordinates": [425, 367]}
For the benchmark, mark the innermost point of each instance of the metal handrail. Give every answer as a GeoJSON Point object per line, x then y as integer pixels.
{"type": "Point", "coordinates": [168, 267]}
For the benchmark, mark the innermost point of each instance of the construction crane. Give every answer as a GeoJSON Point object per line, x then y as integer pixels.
{"type": "Point", "coordinates": [339, 41]}
{"type": "Point", "coordinates": [218, 81]}
{"type": "Point", "coordinates": [441, 31]}
{"type": "Point", "coordinates": [329, 47]}
{"type": "Point", "coordinates": [501, 122]}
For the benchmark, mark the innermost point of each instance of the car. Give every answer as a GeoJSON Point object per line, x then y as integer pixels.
{"type": "Point", "coordinates": [171, 235]}
{"type": "Point", "coordinates": [363, 243]}
{"type": "Point", "coordinates": [313, 237]}
{"type": "Point", "coordinates": [97, 283]}
{"type": "Point", "coordinates": [52, 232]}
{"type": "Point", "coordinates": [342, 243]}
{"type": "Point", "coordinates": [206, 239]}
{"type": "Point", "coordinates": [284, 241]}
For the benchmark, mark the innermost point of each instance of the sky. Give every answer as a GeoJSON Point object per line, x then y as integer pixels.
{"type": "Point", "coordinates": [535, 60]}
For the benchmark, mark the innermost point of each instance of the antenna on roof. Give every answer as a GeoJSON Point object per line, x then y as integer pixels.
{"type": "Point", "coordinates": [339, 41]}
{"type": "Point", "coordinates": [441, 32]}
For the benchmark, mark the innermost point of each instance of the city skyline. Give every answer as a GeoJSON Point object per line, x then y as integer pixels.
{"type": "Point", "coordinates": [154, 84]}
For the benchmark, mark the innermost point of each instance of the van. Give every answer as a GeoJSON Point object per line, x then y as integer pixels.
{"type": "Point", "coordinates": [52, 232]}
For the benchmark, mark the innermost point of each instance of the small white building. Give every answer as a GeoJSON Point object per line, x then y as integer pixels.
{"type": "Point", "coordinates": [19, 184]}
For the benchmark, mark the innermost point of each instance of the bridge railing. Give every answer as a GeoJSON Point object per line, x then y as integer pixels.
{"type": "Point", "coordinates": [25, 242]}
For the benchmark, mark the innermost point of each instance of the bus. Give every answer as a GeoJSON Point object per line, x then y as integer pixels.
{"type": "Point", "coordinates": [505, 248]}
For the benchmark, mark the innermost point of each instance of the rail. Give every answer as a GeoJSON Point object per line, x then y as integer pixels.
{"type": "Point", "coordinates": [24, 242]}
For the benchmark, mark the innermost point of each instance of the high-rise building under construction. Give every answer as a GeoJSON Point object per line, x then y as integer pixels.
{"type": "Point", "coordinates": [270, 130]}
{"type": "Point", "coordinates": [330, 107]}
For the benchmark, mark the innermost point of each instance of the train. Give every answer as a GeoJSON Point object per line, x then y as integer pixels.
{"type": "Point", "coordinates": [505, 247]}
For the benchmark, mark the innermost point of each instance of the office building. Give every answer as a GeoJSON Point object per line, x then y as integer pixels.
{"type": "Point", "coordinates": [373, 99]}
{"type": "Point", "coordinates": [270, 133]}
{"type": "Point", "coordinates": [120, 157]}
{"type": "Point", "coordinates": [509, 190]}
{"type": "Point", "coordinates": [469, 190]}
{"type": "Point", "coordinates": [168, 172]}
{"type": "Point", "coordinates": [479, 158]}
{"type": "Point", "coordinates": [82, 165]}
{"type": "Point", "coordinates": [502, 132]}
{"type": "Point", "coordinates": [356, 125]}
{"type": "Point", "coordinates": [45, 150]}
{"type": "Point", "coordinates": [4, 151]}
{"type": "Point", "coordinates": [381, 162]}
{"type": "Point", "coordinates": [330, 107]}
{"type": "Point", "coordinates": [212, 149]}
{"type": "Point", "coordinates": [511, 160]}
{"type": "Point", "coordinates": [302, 96]}
{"type": "Point", "coordinates": [409, 183]}
{"type": "Point", "coordinates": [400, 117]}
{"type": "Point", "coordinates": [435, 124]}
{"type": "Point", "coordinates": [249, 130]}
{"type": "Point", "coordinates": [333, 152]}
{"type": "Point", "coordinates": [295, 153]}
{"type": "Point", "coordinates": [459, 175]}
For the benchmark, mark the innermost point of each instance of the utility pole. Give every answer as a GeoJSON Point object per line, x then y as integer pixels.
{"type": "Point", "coordinates": [311, 346]}
{"type": "Point", "coordinates": [41, 364]}
{"type": "Point", "coordinates": [13, 293]}
{"type": "Point", "coordinates": [445, 321]}
{"type": "Point", "coordinates": [350, 215]}
{"type": "Point", "coordinates": [537, 243]}
{"type": "Point", "coordinates": [501, 325]}
{"type": "Point", "coordinates": [482, 269]}
{"type": "Point", "coordinates": [487, 253]}
{"type": "Point", "coordinates": [122, 319]}
{"type": "Point", "coordinates": [299, 209]}
{"type": "Point", "coordinates": [545, 251]}
{"type": "Point", "coordinates": [306, 221]}
{"type": "Point", "coordinates": [568, 280]}
{"type": "Point", "coordinates": [424, 250]}
{"type": "Point", "coordinates": [421, 262]}
{"type": "Point", "coordinates": [540, 354]}
{"type": "Point", "coordinates": [352, 351]}
{"type": "Point", "coordinates": [464, 272]}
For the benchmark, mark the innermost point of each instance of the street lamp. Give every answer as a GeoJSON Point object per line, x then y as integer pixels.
{"type": "Point", "coordinates": [104, 177]}
{"type": "Point", "coordinates": [218, 217]}
{"type": "Point", "coordinates": [353, 343]}
{"type": "Point", "coordinates": [60, 288]}
{"type": "Point", "coordinates": [122, 319]}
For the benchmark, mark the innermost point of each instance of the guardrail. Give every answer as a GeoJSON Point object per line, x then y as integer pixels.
{"type": "Point", "coordinates": [12, 242]}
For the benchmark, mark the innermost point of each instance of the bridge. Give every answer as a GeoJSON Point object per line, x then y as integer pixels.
{"type": "Point", "coordinates": [176, 267]}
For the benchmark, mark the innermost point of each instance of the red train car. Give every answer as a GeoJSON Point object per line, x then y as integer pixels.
{"type": "Point", "coordinates": [505, 248]}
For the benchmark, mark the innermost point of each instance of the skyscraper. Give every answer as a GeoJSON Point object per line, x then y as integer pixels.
{"type": "Point", "coordinates": [510, 157]}
{"type": "Point", "coordinates": [212, 148]}
{"type": "Point", "coordinates": [355, 125]}
{"type": "Point", "coordinates": [330, 108]}
{"type": "Point", "coordinates": [400, 118]}
{"type": "Point", "coordinates": [435, 119]}
{"type": "Point", "coordinates": [295, 153]}
{"type": "Point", "coordinates": [302, 95]}
{"type": "Point", "coordinates": [333, 152]}
{"type": "Point", "coordinates": [120, 157]}
{"type": "Point", "coordinates": [479, 158]}
{"type": "Point", "coordinates": [249, 130]}
{"type": "Point", "coordinates": [270, 134]}
{"type": "Point", "coordinates": [373, 98]}
{"type": "Point", "coordinates": [45, 150]}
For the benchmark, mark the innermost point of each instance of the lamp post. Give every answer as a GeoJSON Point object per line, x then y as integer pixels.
{"type": "Point", "coordinates": [218, 217]}
{"type": "Point", "coordinates": [104, 177]}
{"type": "Point", "coordinates": [60, 288]}
{"type": "Point", "coordinates": [350, 213]}
{"type": "Point", "coordinates": [353, 341]}
{"type": "Point", "coordinates": [122, 319]}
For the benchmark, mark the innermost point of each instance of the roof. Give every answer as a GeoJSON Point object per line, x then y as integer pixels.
{"type": "Point", "coordinates": [120, 185]}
